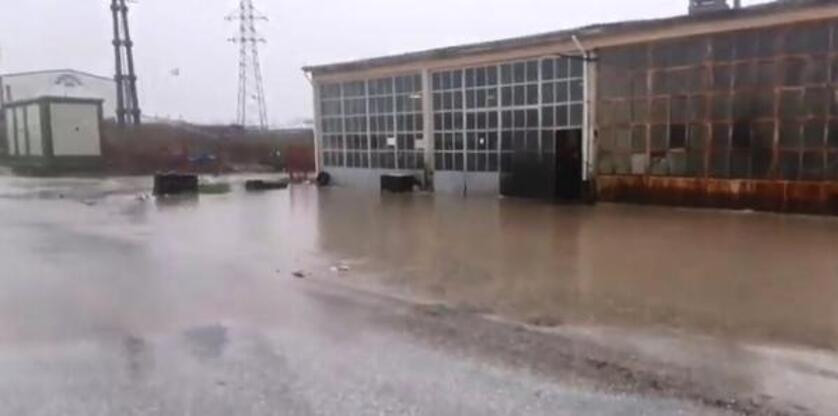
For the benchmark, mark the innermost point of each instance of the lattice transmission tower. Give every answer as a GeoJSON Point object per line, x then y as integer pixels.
{"type": "Point", "coordinates": [251, 89]}
{"type": "Point", "coordinates": [127, 103]}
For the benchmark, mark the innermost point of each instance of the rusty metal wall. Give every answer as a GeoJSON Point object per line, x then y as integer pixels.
{"type": "Point", "coordinates": [748, 116]}
{"type": "Point", "coordinates": [761, 195]}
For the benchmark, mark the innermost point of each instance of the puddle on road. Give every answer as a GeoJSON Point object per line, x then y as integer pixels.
{"type": "Point", "coordinates": [207, 342]}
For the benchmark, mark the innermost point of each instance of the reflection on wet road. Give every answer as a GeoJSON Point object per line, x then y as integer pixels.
{"type": "Point", "coordinates": [102, 281]}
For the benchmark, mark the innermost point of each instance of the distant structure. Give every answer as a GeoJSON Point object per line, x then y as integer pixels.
{"type": "Point", "coordinates": [127, 103]}
{"type": "Point", "coordinates": [250, 68]}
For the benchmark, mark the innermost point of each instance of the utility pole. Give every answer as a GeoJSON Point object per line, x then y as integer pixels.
{"type": "Point", "coordinates": [250, 67]}
{"type": "Point", "coordinates": [127, 103]}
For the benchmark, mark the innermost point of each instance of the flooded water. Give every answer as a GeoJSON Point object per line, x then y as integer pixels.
{"type": "Point", "coordinates": [735, 275]}
{"type": "Point", "coordinates": [154, 280]}
{"type": "Point", "coordinates": [740, 275]}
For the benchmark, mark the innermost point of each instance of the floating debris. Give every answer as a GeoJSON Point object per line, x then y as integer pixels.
{"type": "Point", "coordinates": [216, 188]}
{"type": "Point", "coordinates": [171, 184]}
{"type": "Point", "coordinates": [340, 268]}
{"type": "Point", "coordinates": [263, 185]}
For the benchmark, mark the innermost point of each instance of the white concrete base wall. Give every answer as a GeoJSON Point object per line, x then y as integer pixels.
{"type": "Point", "coordinates": [454, 183]}
{"type": "Point", "coordinates": [369, 179]}
{"type": "Point", "coordinates": [449, 183]}
{"type": "Point", "coordinates": [467, 183]}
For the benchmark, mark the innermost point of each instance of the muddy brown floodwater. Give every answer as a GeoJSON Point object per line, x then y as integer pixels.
{"type": "Point", "coordinates": [737, 275]}
{"type": "Point", "coordinates": [733, 274]}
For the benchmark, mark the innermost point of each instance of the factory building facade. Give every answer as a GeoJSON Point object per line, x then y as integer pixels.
{"type": "Point", "coordinates": [727, 107]}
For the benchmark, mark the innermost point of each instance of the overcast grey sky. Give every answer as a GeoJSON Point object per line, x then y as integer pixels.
{"type": "Point", "coordinates": [191, 35]}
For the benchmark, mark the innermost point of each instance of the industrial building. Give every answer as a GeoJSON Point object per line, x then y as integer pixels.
{"type": "Point", "coordinates": [725, 106]}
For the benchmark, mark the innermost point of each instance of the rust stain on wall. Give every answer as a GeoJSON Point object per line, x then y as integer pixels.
{"type": "Point", "coordinates": [761, 195]}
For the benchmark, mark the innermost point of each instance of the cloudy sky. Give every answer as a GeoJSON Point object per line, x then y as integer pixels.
{"type": "Point", "coordinates": [190, 35]}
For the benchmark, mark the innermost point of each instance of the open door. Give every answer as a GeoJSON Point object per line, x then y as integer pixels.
{"type": "Point", "coordinates": [555, 172]}
{"type": "Point", "coordinates": [568, 164]}
{"type": "Point", "coordinates": [528, 174]}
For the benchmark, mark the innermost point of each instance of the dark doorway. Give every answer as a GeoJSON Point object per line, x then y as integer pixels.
{"type": "Point", "coordinates": [528, 174]}
{"type": "Point", "coordinates": [568, 164]}
{"type": "Point", "coordinates": [553, 172]}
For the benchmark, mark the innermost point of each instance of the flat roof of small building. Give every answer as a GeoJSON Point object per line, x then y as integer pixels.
{"type": "Point", "coordinates": [53, 99]}
{"type": "Point", "coordinates": [583, 33]}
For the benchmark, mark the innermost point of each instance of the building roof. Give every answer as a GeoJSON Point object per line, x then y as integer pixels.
{"type": "Point", "coordinates": [53, 99]}
{"type": "Point", "coordinates": [585, 32]}
{"type": "Point", "coordinates": [55, 71]}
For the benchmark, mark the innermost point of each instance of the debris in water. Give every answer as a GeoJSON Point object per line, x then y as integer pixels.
{"type": "Point", "coordinates": [207, 341]}
{"type": "Point", "coordinates": [171, 183]}
{"type": "Point", "coordinates": [340, 268]}
{"type": "Point", "coordinates": [214, 188]}
{"type": "Point", "coordinates": [545, 321]}
{"type": "Point", "coordinates": [323, 179]}
{"type": "Point", "coordinates": [262, 185]}
{"type": "Point", "coordinates": [434, 310]}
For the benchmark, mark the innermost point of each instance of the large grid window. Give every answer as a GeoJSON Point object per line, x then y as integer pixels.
{"type": "Point", "coordinates": [485, 114]}
{"type": "Point", "coordinates": [519, 133]}
{"type": "Point", "coordinates": [331, 124]}
{"type": "Point", "coordinates": [520, 84]}
{"type": "Point", "coordinates": [355, 124]}
{"type": "Point", "coordinates": [373, 123]}
{"type": "Point", "coordinates": [466, 120]}
{"type": "Point", "coordinates": [481, 128]}
{"type": "Point", "coordinates": [754, 104]}
{"type": "Point", "coordinates": [563, 94]}
{"type": "Point", "coordinates": [409, 122]}
{"type": "Point", "coordinates": [449, 139]}
{"type": "Point", "coordinates": [382, 111]}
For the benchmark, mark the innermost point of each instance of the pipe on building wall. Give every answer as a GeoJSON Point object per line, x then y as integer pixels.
{"type": "Point", "coordinates": [428, 127]}
{"type": "Point", "coordinates": [588, 133]}
{"type": "Point", "coordinates": [315, 88]}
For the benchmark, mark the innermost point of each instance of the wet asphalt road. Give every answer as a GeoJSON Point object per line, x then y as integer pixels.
{"type": "Point", "coordinates": [113, 303]}
{"type": "Point", "coordinates": [244, 367]}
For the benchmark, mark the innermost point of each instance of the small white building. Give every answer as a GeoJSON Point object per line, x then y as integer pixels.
{"type": "Point", "coordinates": [54, 134]}
{"type": "Point", "coordinates": [71, 83]}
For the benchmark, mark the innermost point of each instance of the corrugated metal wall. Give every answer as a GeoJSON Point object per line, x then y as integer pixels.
{"type": "Point", "coordinates": [740, 119]}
